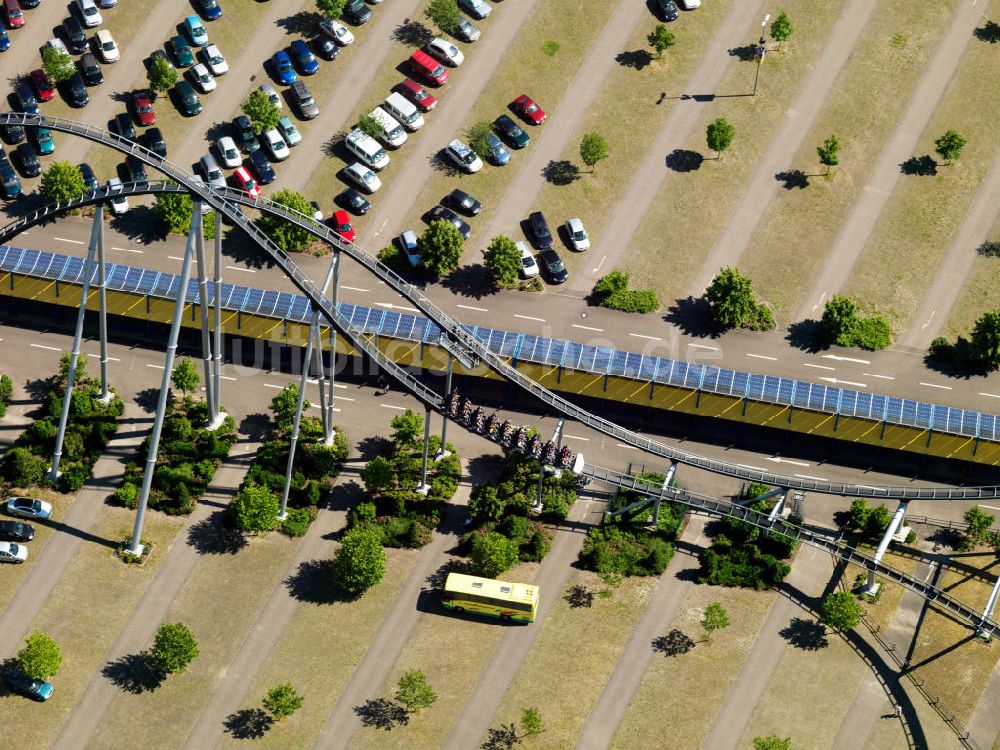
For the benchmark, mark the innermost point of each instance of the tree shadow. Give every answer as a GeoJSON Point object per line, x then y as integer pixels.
{"type": "Point", "coordinates": [946, 538]}
{"type": "Point", "coordinates": [38, 388]}
{"type": "Point", "coordinates": [140, 225]}
{"type": "Point", "coordinates": [808, 635]}
{"type": "Point", "coordinates": [382, 713]}
{"type": "Point", "coordinates": [248, 723]}
{"type": "Point", "coordinates": [215, 535]}
{"type": "Point", "coordinates": [746, 53]}
{"type": "Point", "coordinates": [473, 281]}
{"type": "Point", "coordinates": [484, 468]}
{"type": "Point", "coordinates": [793, 178]}
{"type": "Point", "coordinates": [693, 317]}
{"type": "Point", "coordinates": [313, 583]}
{"type": "Point", "coordinates": [562, 172]}
{"type": "Point", "coordinates": [256, 426]}
{"type": "Point", "coordinates": [636, 59]}
{"type": "Point", "coordinates": [335, 146]}
{"type": "Point", "coordinates": [134, 673]}
{"type": "Point", "coordinates": [807, 336]}
{"type": "Point", "coordinates": [919, 166]}
{"type": "Point", "coordinates": [684, 160]}
{"type": "Point", "coordinates": [374, 445]}
{"type": "Point", "coordinates": [989, 249]}
{"type": "Point", "coordinates": [412, 34]}
{"type": "Point", "coordinates": [674, 643]}
{"type": "Point", "coordinates": [304, 23]}
{"type": "Point", "coordinates": [435, 581]}
{"type": "Point", "coordinates": [988, 32]}
{"type": "Point", "coordinates": [441, 163]}
{"type": "Point", "coordinates": [578, 597]}
{"type": "Point", "coordinates": [955, 360]}
{"type": "Point", "coordinates": [217, 130]}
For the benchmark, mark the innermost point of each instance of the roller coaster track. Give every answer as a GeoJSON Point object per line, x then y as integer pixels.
{"type": "Point", "coordinates": [455, 337]}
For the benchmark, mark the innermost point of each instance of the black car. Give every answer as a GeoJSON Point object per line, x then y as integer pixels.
{"type": "Point", "coordinates": [16, 531]}
{"type": "Point", "coordinates": [466, 31]}
{"type": "Point", "coordinates": [441, 212]}
{"type": "Point", "coordinates": [75, 36]}
{"type": "Point", "coordinates": [187, 101]}
{"type": "Point", "coordinates": [30, 3]}
{"type": "Point", "coordinates": [510, 131]}
{"type": "Point", "coordinates": [209, 9]}
{"type": "Point", "coordinates": [135, 170]}
{"type": "Point", "coordinates": [24, 99]}
{"type": "Point", "coordinates": [122, 124]}
{"type": "Point", "coordinates": [354, 202]}
{"type": "Point", "coordinates": [356, 12]}
{"type": "Point", "coordinates": [540, 228]}
{"type": "Point", "coordinates": [260, 167]}
{"type": "Point", "coordinates": [325, 47]}
{"type": "Point", "coordinates": [153, 140]}
{"type": "Point", "coordinates": [11, 134]}
{"type": "Point", "coordinates": [9, 181]}
{"type": "Point", "coordinates": [666, 9]}
{"type": "Point", "coordinates": [89, 178]}
{"type": "Point", "coordinates": [38, 690]}
{"type": "Point", "coordinates": [90, 70]}
{"type": "Point", "coordinates": [246, 138]}
{"type": "Point", "coordinates": [553, 266]}
{"type": "Point", "coordinates": [28, 160]}
{"type": "Point", "coordinates": [463, 202]}
{"type": "Point", "coordinates": [76, 91]}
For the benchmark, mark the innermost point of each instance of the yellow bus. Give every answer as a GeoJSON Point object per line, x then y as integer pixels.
{"type": "Point", "coordinates": [484, 596]}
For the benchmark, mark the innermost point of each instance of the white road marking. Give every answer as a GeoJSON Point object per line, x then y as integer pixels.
{"type": "Point", "coordinates": [762, 356]}
{"type": "Point", "coordinates": [354, 288]}
{"type": "Point", "coordinates": [244, 270]}
{"type": "Point", "coordinates": [598, 266]}
{"type": "Point", "coordinates": [390, 406]}
{"type": "Point", "coordinates": [818, 367]}
{"type": "Point", "coordinates": [391, 306]}
{"type": "Point", "coordinates": [193, 260]}
{"type": "Point", "coordinates": [935, 385]}
{"type": "Point", "coordinates": [226, 377]}
{"type": "Point", "coordinates": [528, 317]}
{"type": "Point", "coordinates": [816, 306]}
{"type": "Point", "coordinates": [588, 328]}
{"type": "Point", "coordinates": [990, 395]}
{"type": "Point", "coordinates": [72, 242]}
{"type": "Point", "coordinates": [881, 377]}
{"type": "Point", "coordinates": [126, 250]}
{"type": "Point", "coordinates": [846, 359]}
{"type": "Point", "coordinates": [339, 385]}
{"type": "Point", "coordinates": [640, 336]}
{"type": "Point", "coordinates": [806, 476]}
{"type": "Point", "coordinates": [780, 460]}
{"type": "Point", "coordinates": [630, 447]}
{"type": "Point", "coordinates": [755, 468]}
{"type": "Point", "coordinates": [470, 307]}
{"type": "Point", "coordinates": [704, 346]}
{"type": "Point", "coordinates": [155, 367]}
{"type": "Point", "coordinates": [844, 382]}
{"type": "Point", "coordinates": [379, 231]}
{"type": "Point", "coordinates": [991, 507]}
{"type": "Point", "coordinates": [933, 312]}
{"type": "Point", "coordinates": [270, 385]}
{"type": "Point", "coordinates": [98, 356]}
{"type": "Point", "coordinates": [50, 348]}
{"type": "Point", "coordinates": [576, 437]}
{"type": "Point", "coordinates": [344, 398]}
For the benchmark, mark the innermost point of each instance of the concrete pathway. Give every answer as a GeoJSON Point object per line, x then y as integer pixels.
{"type": "Point", "coordinates": [798, 123]}
{"type": "Point", "coordinates": [901, 146]}
{"type": "Point", "coordinates": [601, 725]}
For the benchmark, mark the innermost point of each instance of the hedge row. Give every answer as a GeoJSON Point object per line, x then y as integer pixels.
{"type": "Point", "coordinates": [612, 291]}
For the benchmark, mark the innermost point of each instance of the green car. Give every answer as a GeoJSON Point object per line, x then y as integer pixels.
{"type": "Point", "coordinates": [187, 101]}
{"type": "Point", "coordinates": [511, 132]}
{"type": "Point", "coordinates": [44, 141]}
{"type": "Point", "coordinates": [179, 48]}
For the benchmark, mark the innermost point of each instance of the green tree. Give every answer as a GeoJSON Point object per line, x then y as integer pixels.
{"type": "Point", "coordinates": [839, 317]}
{"type": "Point", "coordinates": [284, 406]}
{"type": "Point", "coordinates": [485, 503]}
{"type": "Point", "coordinates": [57, 65]}
{"type": "Point", "coordinates": [492, 554]}
{"type": "Point", "coordinates": [414, 692]}
{"type": "Point", "coordinates": [719, 134]}
{"type": "Point", "coordinates": [263, 113]}
{"type": "Point", "coordinates": [175, 209]}
{"type": "Point", "coordinates": [772, 742]}
{"type": "Point", "coordinates": [377, 475]}
{"type": "Point", "coordinates": [62, 181]}
{"type": "Point", "coordinates": [730, 298]}
{"type": "Point", "coordinates": [985, 339]}
{"type": "Point", "coordinates": [978, 531]}
{"type": "Point", "coordinates": [161, 75]}
{"type": "Point", "coordinates": [286, 235]}
{"type": "Point", "coordinates": [81, 367]}
{"type": "Point", "coordinates": [174, 647]}
{"type": "Point", "coordinates": [476, 135]}
{"type": "Point", "coordinates": [185, 376]}
{"type": "Point", "coordinates": [715, 618]}
{"type": "Point", "coordinates": [841, 610]}
{"type": "Point", "coordinates": [781, 28]}
{"type": "Point", "coordinates": [282, 701]}
{"type": "Point", "coordinates": [950, 145]}
{"type": "Point", "coordinates": [370, 126]}
{"type": "Point", "coordinates": [503, 260]}
{"type": "Point", "coordinates": [531, 722]}
{"type": "Point", "coordinates": [406, 428]}
{"type": "Point", "coordinates": [23, 468]}
{"type": "Point", "coordinates": [255, 508]}
{"type": "Point", "coordinates": [441, 247]}
{"type": "Point", "coordinates": [593, 148]}
{"type": "Point", "coordinates": [444, 14]}
{"type": "Point", "coordinates": [6, 393]}
{"type": "Point", "coordinates": [331, 8]}
{"type": "Point", "coordinates": [359, 564]}
{"type": "Point", "coordinates": [828, 153]}
{"type": "Point", "coordinates": [661, 39]}
{"type": "Point", "coordinates": [40, 658]}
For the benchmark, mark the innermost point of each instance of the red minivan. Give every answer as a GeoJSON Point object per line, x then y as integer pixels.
{"type": "Point", "coordinates": [429, 68]}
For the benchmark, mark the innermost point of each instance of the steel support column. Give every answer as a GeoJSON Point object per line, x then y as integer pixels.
{"type": "Point", "coordinates": [897, 518]}
{"type": "Point", "coordinates": [424, 488]}
{"type": "Point", "coordinates": [320, 378]}
{"type": "Point", "coordinates": [102, 281]}
{"type": "Point", "coordinates": [283, 511]}
{"type": "Point", "coordinates": [443, 450]}
{"type": "Point", "coordinates": [988, 609]}
{"type": "Point", "coordinates": [206, 339]}
{"type": "Point", "coordinates": [667, 479]}
{"type": "Point", "coordinates": [217, 294]}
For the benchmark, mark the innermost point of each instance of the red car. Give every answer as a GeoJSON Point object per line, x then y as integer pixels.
{"type": "Point", "coordinates": [525, 106]}
{"type": "Point", "coordinates": [142, 107]}
{"type": "Point", "coordinates": [246, 183]}
{"type": "Point", "coordinates": [417, 94]}
{"type": "Point", "coordinates": [341, 223]}
{"type": "Point", "coordinates": [15, 17]}
{"type": "Point", "coordinates": [40, 83]}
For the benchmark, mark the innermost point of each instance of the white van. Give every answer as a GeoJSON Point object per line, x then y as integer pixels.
{"type": "Point", "coordinates": [367, 149]}
{"type": "Point", "coordinates": [404, 110]}
{"type": "Point", "coordinates": [392, 132]}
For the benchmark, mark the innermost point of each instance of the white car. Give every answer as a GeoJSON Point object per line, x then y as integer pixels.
{"type": "Point", "coordinates": [363, 177]}
{"type": "Point", "coordinates": [407, 243]}
{"type": "Point", "coordinates": [201, 78]}
{"type": "Point", "coordinates": [119, 203]}
{"type": "Point", "coordinates": [690, 4]}
{"type": "Point", "coordinates": [214, 60]}
{"type": "Point", "coordinates": [446, 52]}
{"type": "Point", "coordinates": [89, 13]}
{"type": "Point", "coordinates": [577, 235]}
{"type": "Point", "coordinates": [13, 553]}
{"type": "Point", "coordinates": [336, 31]}
{"type": "Point", "coordinates": [274, 144]}
{"type": "Point", "coordinates": [478, 9]}
{"type": "Point", "coordinates": [230, 155]}
{"type": "Point", "coordinates": [29, 507]}
{"type": "Point", "coordinates": [529, 268]}
{"type": "Point", "coordinates": [211, 172]}
{"type": "Point", "coordinates": [107, 48]}
{"type": "Point", "coordinates": [272, 94]}
{"type": "Point", "coordinates": [464, 157]}
{"type": "Point", "coordinates": [288, 131]}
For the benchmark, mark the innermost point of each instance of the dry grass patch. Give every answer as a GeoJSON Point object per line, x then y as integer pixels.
{"type": "Point", "coordinates": [675, 691]}
{"type": "Point", "coordinates": [881, 612]}
{"type": "Point", "coordinates": [11, 576]}
{"type": "Point", "coordinates": [914, 232]}
{"type": "Point", "coordinates": [717, 186]}
{"type": "Point", "coordinates": [319, 652]}
{"type": "Point", "coordinates": [981, 292]}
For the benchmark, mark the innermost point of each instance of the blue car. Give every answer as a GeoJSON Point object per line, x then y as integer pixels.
{"type": "Point", "coordinates": [195, 31]}
{"type": "Point", "coordinates": [24, 99]}
{"type": "Point", "coordinates": [498, 153]}
{"type": "Point", "coordinates": [283, 70]}
{"type": "Point", "coordinates": [209, 9]}
{"type": "Point", "coordinates": [44, 142]}
{"type": "Point", "coordinates": [38, 690]}
{"type": "Point", "coordinates": [4, 41]}
{"type": "Point", "coordinates": [303, 57]}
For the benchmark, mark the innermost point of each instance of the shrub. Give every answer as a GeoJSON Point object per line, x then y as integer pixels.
{"type": "Point", "coordinates": [414, 691]}
{"type": "Point", "coordinates": [254, 508]}
{"type": "Point", "coordinates": [359, 564]}
{"type": "Point", "coordinates": [282, 701]}
{"type": "Point", "coordinates": [493, 554]}
{"type": "Point", "coordinates": [127, 495]}
{"type": "Point", "coordinates": [73, 478]}
{"type": "Point", "coordinates": [21, 468]}
{"type": "Point", "coordinates": [612, 291]}
{"type": "Point", "coordinates": [742, 565]}
{"type": "Point", "coordinates": [40, 658]}
{"type": "Point", "coordinates": [296, 523]}
{"type": "Point", "coordinates": [173, 648]}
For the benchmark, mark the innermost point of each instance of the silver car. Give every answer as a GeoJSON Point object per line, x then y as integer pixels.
{"type": "Point", "coordinates": [230, 155]}
{"type": "Point", "coordinates": [577, 235]}
{"type": "Point", "coordinates": [363, 177]}
{"type": "Point", "coordinates": [211, 172]}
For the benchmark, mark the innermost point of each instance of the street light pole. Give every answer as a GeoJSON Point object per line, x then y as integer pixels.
{"type": "Point", "coordinates": [760, 52]}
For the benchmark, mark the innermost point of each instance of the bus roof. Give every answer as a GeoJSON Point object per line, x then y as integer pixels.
{"type": "Point", "coordinates": [518, 592]}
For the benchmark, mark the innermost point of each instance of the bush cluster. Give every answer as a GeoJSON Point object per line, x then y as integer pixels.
{"type": "Point", "coordinates": [842, 324]}
{"type": "Point", "coordinates": [870, 521]}
{"type": "Point", "coordinates": [732, 303]}
{"type": "Point", "coordinates": [612, 291]}
{"type": "Point", "coordinates": [6, 394]}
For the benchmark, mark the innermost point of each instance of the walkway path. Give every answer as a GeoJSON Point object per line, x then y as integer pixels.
{"type": "Point", "coordinates": [860, 224]}
{"type": "Point", "coordinates": [599, 730]}
{"type": "Point", "coordinates": [798, 123]}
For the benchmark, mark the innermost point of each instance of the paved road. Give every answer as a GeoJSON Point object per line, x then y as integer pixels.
{"type": "Point", "coordinates": [798, 123]}
{"type": "Point", "coordinates": [860, 224]}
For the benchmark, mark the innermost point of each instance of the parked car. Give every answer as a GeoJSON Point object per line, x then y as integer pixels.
{"type": "Point", "coordinates": [27, 157]}
{"type": "Point", "coordinates": [195, 31]}
{"type": "Point", "coordinates": [44, 142]}
{"type": "Point", "coordinates": [325, 47]}
{"type": "Point", "coordinates": [201, 78]}
{"type": "Point", "coordinates": [89, 178]}
{"type": "Point", "coordinates": [690, 4]}
{"type": "Point", "coordinates": [211, 172]}
{"type": "Point", "coordinates": [246, 137]}
{"type": "Point", "coordinates": [103, 4]}
{"type": "Point", "coordinates": [466, 30]}
{"type": "Point", "coordinates": [10, 183]}
{"type": "Point", "coordinates": [16, 531]}
{"type": "Point", "coordinates": [57, 44]}
{"type": "Point", "coordinates": [428, 68]}
{"type": "Point", "coordinates": [42, 85]}
{"type": "Point", "coordinates": [363, 177]}
{"type": "Point", "coordinates": [666, 10]}
{"type": "Point", "coordinates": [24, 99]}
{"type": "Point", "coordinates": [243, 181]}
{"type": "Point", "coordinates": [498, 154]}
{"type": "Point", "coordinates": [153, 140]}
{"type": "Point", "coordinates": [578, 238]}
{"type": "Point", "coordinates": [76, 91]}
{"type": "Point", "coordinates": [336, 31]}
{"type": "Point", "coordinates": [341, 224]}
{"type": "Point", "coordinates": [464, 202]}
{"type": "Point", "coordinates": [76, 37]}
{"type": "Point", "coordinates": [478, 9]}
{"type": "Point", "coordinates": [418, 95]}
{"type": "Point", "coordinates": [13, 15]}
{"type": "Point", "coordinates": [525, 106]}
{"type": "Point", "coordinates": [260, 167]}
{"type": "Point", "coordinates": [90, 70]}
{"type": "Point", "coordinates": [4, 40]}
{"type": "Point", "coordinates": [281, 65]}
{"type": "Point", "coordinates": [28, 507]}
{"type": "Point", "coordinates": [228, 153]}
{"type": "Point", "coordinates": [356, 12]}
{"type": "Point", "coordinates": [135, 169]}
{"type": "Point", "coordinates": [178, 47]}
{"type": "Point", "coordinates": [187, 100]}
{"type": "Point", "coordinates": [142, 107]}
{"type": "Point", "coordinates": [407, 244]}
{"type": "Point", "coordinates": [11, 134]}
{"type": "Point", "coordinates": [276, 147]}
{"type": "Point", "coordinates": [463, 157]}
{"type": "Point", "coordinates": [210, 9]}
{"type": "Point", "coordinates": [353, 201]}
{"type": "Point", "coordinates": [554, 266]}
{"type": "Point", "coordinates": [540, 230]}
{"type": "Point", "coordinates": [439, 213]}
{"type": "Point", "coordinates": [511, 132]}
{"type": "Point", "coordinates": [119, 203]}
{"type": "Point", "coordinates": [88, 11]}
{"type": "Point", "coordinates": [213, 60]}
{"type": "Point", "coordinates": [303, 99]}
{"type": "Point", "coordinates": [38, 690]}
{"type": "Point", "coordinates": [303, 58]}
{"type": "Point", "coordinates": [445, 51]}
{"type": "Point", "coordinates": [122, 124]}
{"type": "Point", "coordinates": [529, 268]}
{"type": "Point", "coordinates": [272, 95]}
{"type": "Point", "coordinates": [106, 46]}
{"type": "Point", "coordinates": [288, 131]}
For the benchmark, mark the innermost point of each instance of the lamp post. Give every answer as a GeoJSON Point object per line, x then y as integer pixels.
{"type": "Point", "coordinates": [760, 52]}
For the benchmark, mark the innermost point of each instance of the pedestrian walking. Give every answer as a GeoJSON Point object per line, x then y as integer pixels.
{"type": "Point", "coordinates": [899, 710]}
